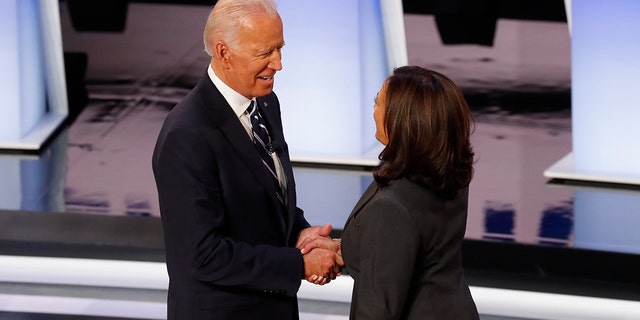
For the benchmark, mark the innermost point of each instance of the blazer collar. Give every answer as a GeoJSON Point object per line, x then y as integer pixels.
{"type": "Point", "coordinates": [364, 199]}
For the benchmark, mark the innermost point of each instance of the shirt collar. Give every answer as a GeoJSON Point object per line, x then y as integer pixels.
{"type": "Point", "coordinates": [238, 102]}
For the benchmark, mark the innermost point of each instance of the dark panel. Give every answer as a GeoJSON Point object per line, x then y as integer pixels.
{"type": "Point", "coordinates": [98, 15]}
{"type": "Point", "coordinates": [545, 10]}
{"type": "Point", "coordinates": [81, 236]}
{"type": "Point", "coordinates": [552, 269]}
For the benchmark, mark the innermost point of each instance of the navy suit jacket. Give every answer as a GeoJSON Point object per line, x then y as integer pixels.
{"type": "Point", "coordinates": [229, 242]}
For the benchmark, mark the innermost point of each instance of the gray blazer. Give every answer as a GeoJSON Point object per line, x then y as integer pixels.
{"type": "Point", "coordinates": [401, 244]}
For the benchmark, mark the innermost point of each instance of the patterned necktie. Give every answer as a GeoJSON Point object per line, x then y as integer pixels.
{"type": "Point", "coordinates": [262, 142]}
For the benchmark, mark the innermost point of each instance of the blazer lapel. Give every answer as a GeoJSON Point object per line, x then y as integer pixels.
{"type": "Point", "coordinates": [237, 136]}
{"type": "Point", "coordinates": [364, 199]}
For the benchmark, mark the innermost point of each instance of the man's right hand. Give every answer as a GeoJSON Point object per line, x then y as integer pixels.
{"type": "Point", "coordinates": [322, 265]}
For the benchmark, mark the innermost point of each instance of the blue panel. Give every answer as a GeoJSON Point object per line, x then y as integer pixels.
{"type": "Point", "coordinates": [557, 223]}
{"type": "Point", "coordinates": [10, 183]}
{"type": "Point", "coordinates": [374, 70]}
{"type": "Point", "coordinates": [608, 221]}
{"type": "Point", "coordinates": [32, 75]}
{"type": "Point", "coordinates": [325, 74]}
{"type": "Point", "coordinates": [499, 221]}
{"type": "Point", "coordinates": [9, 77]}
{"type": "Point", "coordinates": [605, 69]}
{"type": "Point", "coordinates": [329, 196]}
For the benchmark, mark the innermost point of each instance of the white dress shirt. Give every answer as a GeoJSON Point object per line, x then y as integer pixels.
{"type": "Point", "coordinates": [239, 104]}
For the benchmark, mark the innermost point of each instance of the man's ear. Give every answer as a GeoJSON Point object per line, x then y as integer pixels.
{"type": "Point", "coordinates": [222, 53]}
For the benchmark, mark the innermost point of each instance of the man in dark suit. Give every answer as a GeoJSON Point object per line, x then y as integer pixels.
{"type": "Point", "coordinates": [231, 226]}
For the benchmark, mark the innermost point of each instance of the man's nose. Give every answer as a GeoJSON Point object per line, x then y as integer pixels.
{"type": "Point", "coordinates": [276, 61]}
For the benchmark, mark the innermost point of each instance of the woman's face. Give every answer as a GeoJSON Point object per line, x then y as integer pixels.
{"type": "Point", "coordinates": [378, 115]}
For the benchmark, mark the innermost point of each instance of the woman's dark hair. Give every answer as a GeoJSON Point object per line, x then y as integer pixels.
{"type": "Point", "coordinates": [429, 125]}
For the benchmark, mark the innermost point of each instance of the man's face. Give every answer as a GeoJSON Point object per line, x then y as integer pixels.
{"type": "Point", "coordinates": [255, 60]}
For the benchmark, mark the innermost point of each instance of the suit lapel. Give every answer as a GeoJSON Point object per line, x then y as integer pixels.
{"type": "Point", "coordinates": [236, 135]}
{"type": "Point", "coordinates": [366, 197]}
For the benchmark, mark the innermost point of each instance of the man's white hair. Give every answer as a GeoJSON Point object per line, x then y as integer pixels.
{"type": "Point", "coordinates": [228, 17]}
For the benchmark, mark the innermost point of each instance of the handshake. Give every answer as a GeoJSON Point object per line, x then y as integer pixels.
{"type": "Point", "coordinates": [322, 255]}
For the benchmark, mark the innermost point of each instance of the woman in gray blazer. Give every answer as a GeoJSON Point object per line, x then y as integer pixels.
{"type": "Point", "coordinates": [401, 244]}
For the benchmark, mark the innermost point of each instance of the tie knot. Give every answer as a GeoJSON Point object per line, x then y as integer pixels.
{"type": "Point", "coordinates": [252, 108]}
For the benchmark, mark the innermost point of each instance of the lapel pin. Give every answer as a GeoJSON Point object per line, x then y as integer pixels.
{"type": "Point", "coordinates": [265, 104]}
